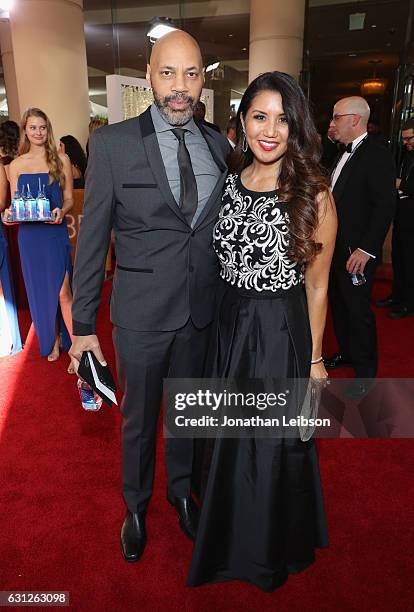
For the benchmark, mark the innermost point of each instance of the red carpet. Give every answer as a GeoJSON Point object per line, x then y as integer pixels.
{"type": "Point", "coordinates": [61, 508]}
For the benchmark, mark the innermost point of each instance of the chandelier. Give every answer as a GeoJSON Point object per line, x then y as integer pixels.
{"type": "Point", "coordinates": [373, 87]}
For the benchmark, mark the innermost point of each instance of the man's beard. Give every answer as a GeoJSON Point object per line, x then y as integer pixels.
{"type": "Point", "coordinates": [175, 117]}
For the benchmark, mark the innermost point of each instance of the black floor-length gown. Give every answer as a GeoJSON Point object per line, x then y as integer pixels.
{"type": "Point", "coordinates": [262, 512]}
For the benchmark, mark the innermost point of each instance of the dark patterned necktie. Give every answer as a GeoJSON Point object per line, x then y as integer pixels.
{"type": "Point", "coordinates": [188, 185]}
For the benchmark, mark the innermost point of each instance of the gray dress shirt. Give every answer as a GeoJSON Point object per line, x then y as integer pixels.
{"type": "Point", "coordinates": [205, 168]}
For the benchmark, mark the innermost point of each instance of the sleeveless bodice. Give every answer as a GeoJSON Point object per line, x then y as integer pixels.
{"type": "Point", "coordinates": [251, 239]}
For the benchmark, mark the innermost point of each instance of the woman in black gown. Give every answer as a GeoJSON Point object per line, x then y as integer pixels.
{"type": "Point", "coordinates": [262, 514]}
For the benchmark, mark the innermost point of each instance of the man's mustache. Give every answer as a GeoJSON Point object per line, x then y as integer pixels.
{"type": "Point", "coordinates": [179, 98]}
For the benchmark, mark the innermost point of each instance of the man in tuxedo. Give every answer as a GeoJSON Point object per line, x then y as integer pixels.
{"type": "Point", "coordinates": [200, 116]}
{"type": "Point", "coordinates": [402, 298]}
{"type": "Point", "coordinates": [363, 186]}
{"type": "Point", "coordinates": [156, 180]}
{"type": "Point", "coordinates": [232, 132]}
{"type": "Point", "coordinates": [330, 149]}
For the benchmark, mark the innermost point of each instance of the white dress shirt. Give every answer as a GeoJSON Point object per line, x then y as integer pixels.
{"type": "Point", "coordinates": [344, 159]}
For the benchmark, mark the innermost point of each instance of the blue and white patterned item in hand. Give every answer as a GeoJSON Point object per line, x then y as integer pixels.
{"type": "Point", "coordinates": [31, 206]}
{"type": "Point", "coordinates": [18, 207]}
{"type": "Point", "coordinates": [90, 400]}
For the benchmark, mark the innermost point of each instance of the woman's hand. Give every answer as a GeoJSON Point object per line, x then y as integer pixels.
{"type": "Point", "coordinates": [8, 215]}
{"type": "Point", "coordinates": [58, 216]}
{"type": "Point", "coordinates": [318, 371]}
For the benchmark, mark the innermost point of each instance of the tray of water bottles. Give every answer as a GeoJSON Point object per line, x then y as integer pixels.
{"type": "Point", "coordinates": [25, 208]}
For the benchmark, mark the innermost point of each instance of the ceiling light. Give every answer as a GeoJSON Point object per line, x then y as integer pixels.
{"type": "Point", "coordinates": [159, 26]}
{"type": "Point", "coordinates": [244, 49]}
{"type": "Point", "coordinates": [373, 25]}
{"type": "Point", "coordinates": [159, 30]}
{"type": "Point", "coordinates": [352, 54]}
{"type": "Point", "coordinates": [6, 5]}
{"type": "Point", "coordinates": [230, 35]}
{"type": "Point", "coordinates": [357, 21]}
{"type": "Point", "coordinates": [212, 66]}
{"type": "Point", "coordinates": [373, 87]}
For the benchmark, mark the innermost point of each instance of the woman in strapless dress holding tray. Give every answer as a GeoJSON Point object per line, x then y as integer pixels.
{"type": "Point", "coordinates": [45, 248]}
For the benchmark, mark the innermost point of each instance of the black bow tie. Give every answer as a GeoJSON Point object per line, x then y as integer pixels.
{"type": "Point", "coordinates": [348, 148]}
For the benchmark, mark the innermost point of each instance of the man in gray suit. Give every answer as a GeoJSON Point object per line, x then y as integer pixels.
{"type": "Point", "coordinates": [156, 180]}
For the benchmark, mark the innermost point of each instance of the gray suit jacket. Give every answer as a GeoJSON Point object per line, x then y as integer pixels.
{"type": "Point", "coordinates": [166, 271]}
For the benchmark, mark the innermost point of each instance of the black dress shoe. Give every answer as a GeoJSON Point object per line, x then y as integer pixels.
{"type": "Point", "coordinates": [400, 313]}
{"type": "Point", "coordinates": [386, 302]}
{"type": "Point", "coordinates": [133, 536]}
{"type": "Point", "coordinates": [336, 361]}
{"type": "Point", "coordinates": [187, 511]}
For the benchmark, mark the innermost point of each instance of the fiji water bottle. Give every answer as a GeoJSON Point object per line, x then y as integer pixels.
{"type": "Point", "coordinates": [18, 207]}
{"type": "Point", "coordinates": [42, 205]}
{"type": "Point", "coordinates": [358, 278]}
{"type": "Point", "coordinates": [31, 206]}
{"type": "Point", "coordinates": [89, 398]}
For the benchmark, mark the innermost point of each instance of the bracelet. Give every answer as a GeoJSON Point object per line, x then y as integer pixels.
{"type": "Point", "coordinates": [313, 361]}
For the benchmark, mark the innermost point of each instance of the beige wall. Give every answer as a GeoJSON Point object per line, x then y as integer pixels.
{"type": "Point", "coordinates": [48, 44]}
{"type": "Point", "coordinates": [276, 36]}
{"type": "Point", "coordinates": [9, 71]}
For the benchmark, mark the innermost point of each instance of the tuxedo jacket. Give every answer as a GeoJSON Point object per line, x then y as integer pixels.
{"type": "Point", "coordinates": [365, 197]}
{"type": "Point", "coordinates": [404, 217]}
{"type": "Point", "coordinates": [166, 271]}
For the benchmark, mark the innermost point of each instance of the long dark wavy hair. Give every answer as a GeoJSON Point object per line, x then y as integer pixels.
{"type": "Point", "coordinates": [74, 151]}
{"type": "Point", "coordinates": [9, 138]}
{"type": "Point", "coordinates": [301, 178]}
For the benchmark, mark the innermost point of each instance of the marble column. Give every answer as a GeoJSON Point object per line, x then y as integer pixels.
{"type": "Point", "coordinates": [276, 36]}
{"type": "Point", "coordinates": [48, 47]}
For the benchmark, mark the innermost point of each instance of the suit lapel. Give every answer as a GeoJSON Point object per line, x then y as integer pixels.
{"type": "Point", "coordinates": [217, 155]}
{"type": "Point", "coordinates": [152, 149]}
{"type": "Point", "coordinates": [408, 165]}
{"type": "Point", "coordinates": [346, 172]}
{"type": "Point", "coordinates": [334, 164]}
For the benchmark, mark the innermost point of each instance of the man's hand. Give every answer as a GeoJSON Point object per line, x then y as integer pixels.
{"type": "Point", "coordinates": [85, 343]}
{"type": "Point", "coordinates": [398, 183]}
{"type": "Point", "coordinates": [357, 262]}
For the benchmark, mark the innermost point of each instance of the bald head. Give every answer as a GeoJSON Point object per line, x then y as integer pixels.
{"type": "Point", "coordinates": [176, 75]}
{"type": "Point", "coordinates": [349, 119]}
{"type": "Point", "coordinates": [356, 104]}
{"type": "Point", "coordinates": [175, 39]}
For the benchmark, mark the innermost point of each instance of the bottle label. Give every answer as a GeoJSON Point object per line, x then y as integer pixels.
{"type": "Point", "coordinates": [89, 399]}
{"type": "Point", "coordinates": [43, 208]}
{"type": "Point", "coordinates": [18, 209]}
{"type": "Point", "coordinates": [31, 209]}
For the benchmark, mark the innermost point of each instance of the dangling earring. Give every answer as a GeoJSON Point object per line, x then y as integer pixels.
{"type": "Point", "coordinates": [245, 146]}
